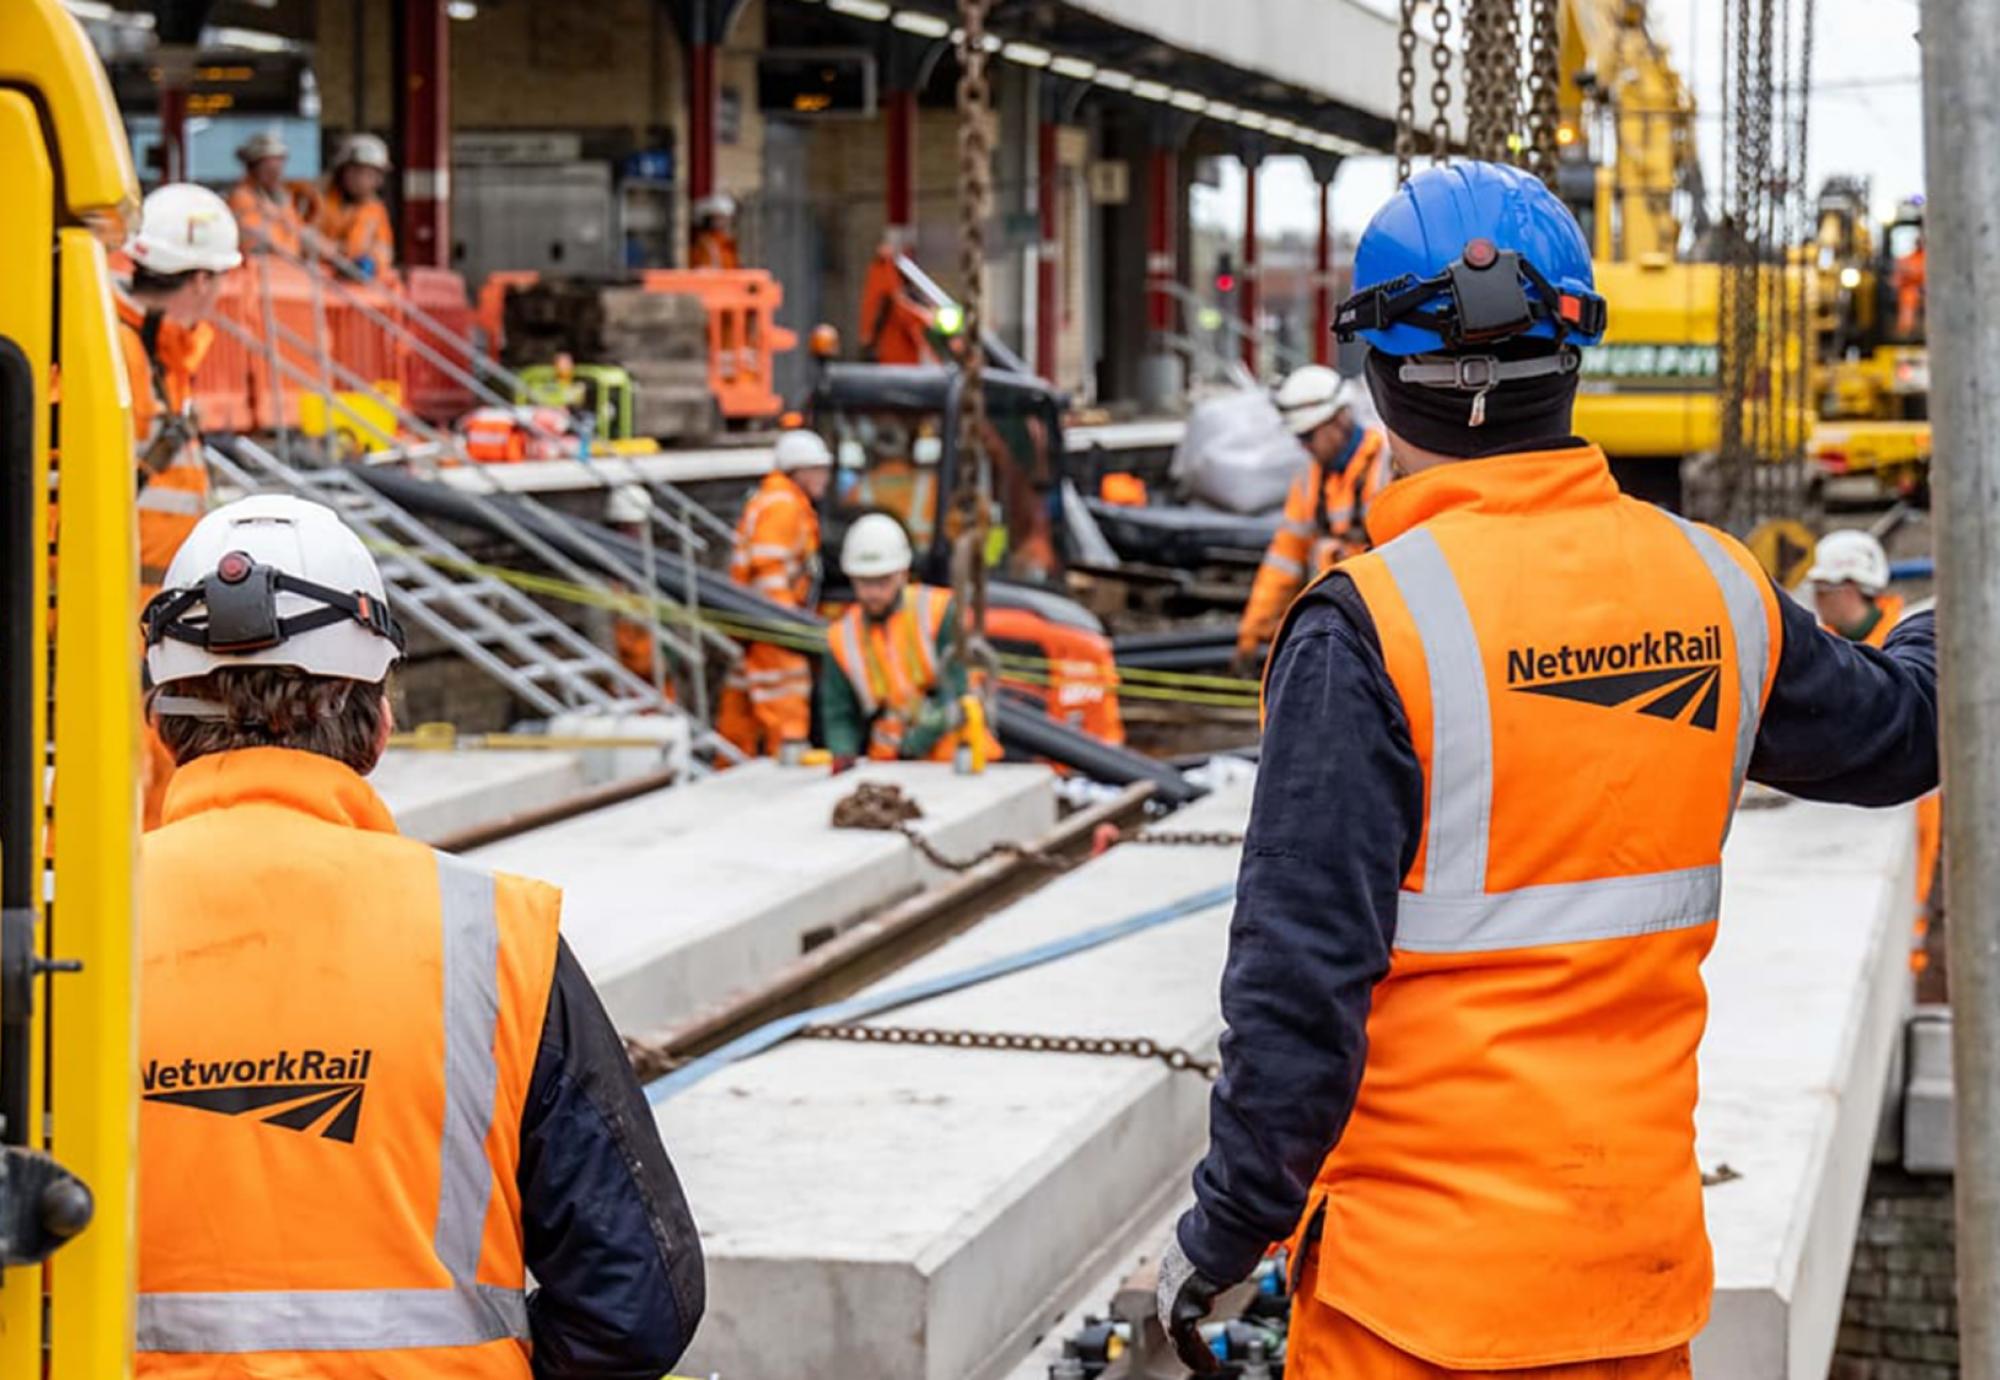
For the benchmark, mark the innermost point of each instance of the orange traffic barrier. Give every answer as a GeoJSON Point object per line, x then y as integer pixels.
{"type": "Point", "coordinates": [743, 333]}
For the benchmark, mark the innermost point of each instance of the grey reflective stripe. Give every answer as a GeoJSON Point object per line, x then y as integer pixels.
{"type": "Point", "coordinates": [184, 502]}
{"type": "Point", "coordinates": [1461, 775]}
{"type": "Point", "coordinates": [471, 1074]}
{"type": "Point", "coordinates": [331, 1319]}
{"type": "Point", "coordinates": [462, 1313]}
{"type": "Point", "coordinates": [1284, 565]}
{"type": "Point", "coordinates": [1308, 530]}
{"type": "Point", "coordinates": [1563, 913]}
{"type": "Point", "coordinates": [1745, 603]}
{"type": "Point", "coordinates": [845, 635]}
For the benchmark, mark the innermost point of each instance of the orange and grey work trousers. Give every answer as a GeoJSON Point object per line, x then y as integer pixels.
{"type": "Point", "coordinates": [767, 700]}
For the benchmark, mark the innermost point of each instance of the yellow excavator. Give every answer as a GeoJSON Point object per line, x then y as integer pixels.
{"type": "Point", "coordinates": [69, 718]}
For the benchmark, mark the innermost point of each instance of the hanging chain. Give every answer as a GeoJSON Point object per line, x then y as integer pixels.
{"type": "Point", "coordinates": [1492, 77]}
{"type": "Point", "coordinates": [1406, 91]}
{"type": "Point", "coordinates": [1808, 334]}
{"type": "Point", "coordinates": [1440, 82]}
{"type": "Point", "coordinates": [1124, 1047]}
{"type": "Point", "coordinates": [974, 499]}
{"type": "Point", "coordinates": [1544, 89]}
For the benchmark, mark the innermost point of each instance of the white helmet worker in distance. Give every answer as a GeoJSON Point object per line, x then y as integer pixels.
{"type": "Point", "coordinates": [1317, 406]}
{"type": "Point", "coordinates": [187, 240]}
{"type": "Point", "coordinates": [875, 556]}
{"type": "Point", "coordinates": [804, 456]}
{"type": "Point", "coordinates": [272, 614]}
{"type": "Point", "coordinates": [1850, 570]}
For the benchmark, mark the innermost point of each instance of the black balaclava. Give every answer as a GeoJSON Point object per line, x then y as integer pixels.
{"type": "Point", "coordinates": [1518, 413]}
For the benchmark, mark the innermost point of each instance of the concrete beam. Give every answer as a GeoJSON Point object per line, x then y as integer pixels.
{"type": "Point", "coordinates": [435, 793]}
{"type": "Point", "coordinates": [675, 899]}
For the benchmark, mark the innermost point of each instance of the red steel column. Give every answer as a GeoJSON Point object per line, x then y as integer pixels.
{"type": "Point", "coordinates": [1247, 295]}
{"type": "Point", "coordinates": [1323, 279]}
{"type": "Point", "coordinates": [1162, 186]}
{"type": "Point", "coordinates": [702, 59]}
{"type": "Point", "coordinates": [900, 110]}
{"type": "Point", "coordinates": [1047, 284]}
{"type": "Point", "coordinates": [173, 134]}
{"type": "Point", "coordinates": [426, 129]}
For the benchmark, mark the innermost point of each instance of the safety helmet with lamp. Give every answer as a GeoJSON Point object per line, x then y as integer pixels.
{"type": "Point", "coordinates": [876, 545]}
{"type": "Point", "coordinates": [182, 228]}
{"type": "Point", "coordinates": [1850, 557]}
{"type": "Point", "coordinates": [270, 580]}
{"type": "Point", "coordinates": [362, 150]}
{"type": "Point", "coordinates": [1467, 257]}
{"type": "Point", "coordinates": [800, 450]}
{"type": "Point", "coordinates": [1311, 395]}
{"type": "Point", "coordinates": [258, 147]}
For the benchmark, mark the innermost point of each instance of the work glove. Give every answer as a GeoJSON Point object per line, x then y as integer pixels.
{"type": "Point", "coordinates": [1184, 1297]}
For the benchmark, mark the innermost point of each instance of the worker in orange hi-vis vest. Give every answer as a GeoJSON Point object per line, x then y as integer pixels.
{"type": "Point", "coordinates": [1850, 587]}
{"type": "Point", "coordinates": [351, 217]}
{"type": "Point", "coordinates": [1501, 752]}
{"type": "Point", "coordinates": [260, 199]}
{"type": "Point", "coordinates": [186, 243]}
{"type": "Point", "coordinates": [766, 702]}
{"type": "Point", "coordinates": [1909, 279]}
{"type": "Point", "coordinates": [714, 242]}
{"type": "Point", "coordinates": [388, 1055]}
{"type": "Point", "coordinates": [1326, 509]}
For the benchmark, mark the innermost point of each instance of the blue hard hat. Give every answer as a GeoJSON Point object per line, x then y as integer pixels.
{"type": "Point", "coordinates": [1414, 295]}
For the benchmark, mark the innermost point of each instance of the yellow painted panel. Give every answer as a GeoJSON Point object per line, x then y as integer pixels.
{"type": "Point", "coordinates": [43, 48]}
{"type": "Point", "coordinates": [26, 231]}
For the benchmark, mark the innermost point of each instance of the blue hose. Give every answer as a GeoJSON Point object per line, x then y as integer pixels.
{"type": "Point", "coordinates": [859, 1008]}
{"type": "Point", "coordinates": [1916, 568]}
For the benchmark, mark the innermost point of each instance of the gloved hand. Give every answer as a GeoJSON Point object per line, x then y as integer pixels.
{"type": "Point", "coordinates": [1184, 1297]}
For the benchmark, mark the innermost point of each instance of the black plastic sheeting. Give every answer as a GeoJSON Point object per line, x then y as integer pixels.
{"type": "Point", "coordinates": [1205, 649]}
{"type": "Point", "coordinates": [1022, 727]}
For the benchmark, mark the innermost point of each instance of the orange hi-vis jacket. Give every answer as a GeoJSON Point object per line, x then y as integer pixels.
{"type": "Point", "coordinates": [777, 542]}
{"type": "Point", "coordinates": [1583, 675]}
{"type": "Point", "coordinates": [893, 666]}
{"type": "Point", "coordinates": [160, 360]}
{"type": "Point", "coordinates": [267, 222]}
{"type": "Point", "coordinates": [338, 1028]}
{"type": "Point", "coordinates": [357, 229]}
{"type": "Point", "coordinates": [1323, 523]}
{"type": "Point", "coordinates": [714, 249]}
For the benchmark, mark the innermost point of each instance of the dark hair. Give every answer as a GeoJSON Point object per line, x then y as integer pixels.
{"type": "Point", "coordinates": [276, 706]}
{"type": "Point", "coordinates": [147, 283]}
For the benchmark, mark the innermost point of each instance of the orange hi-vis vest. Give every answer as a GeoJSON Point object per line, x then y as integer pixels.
{"type": "Point", "coordinates": [160, 360]}
{"type": "Point", "coordinates": [338, 1027]}
{"type": "Point", "coordinates": [357, 229]}
{"type": "Point", "coordinates": [777, 542]}
{"type": "Point", "coordinates": [1324, 522]}
{"type": "Point", "coordinates": [893, 665]}
{"type": "Point", "coordinates": [1583, 675]}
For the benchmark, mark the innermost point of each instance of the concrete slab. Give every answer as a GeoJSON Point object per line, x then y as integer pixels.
{"type": "Point", "coordinates": [675, 899]}
{"type": "Point", "coordinates": [920, 1214]}
{"type": "Point", "coordinates": [435, 793]}
{"type": "Point", "coordinates": [1809, 983]}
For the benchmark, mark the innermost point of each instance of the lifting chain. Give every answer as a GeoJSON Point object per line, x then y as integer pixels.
{"type": "Point", "coordinates": [1492, 78]}
{"type": "Point", "coordinates": [1544, 89]}
{"type": "Point", "coordinates": [1440, 82]}
{"type": "Point", "coordinates": [1173, 1057]}
{"type": "Point", "coordinates": [1406, 91]}
{"type": "Point", "coordinates": [974, 501]}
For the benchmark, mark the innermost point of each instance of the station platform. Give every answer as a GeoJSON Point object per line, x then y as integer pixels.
{"type": "Point", "coordinates": [677, 898]}
{"type": "Point", "coordinates": [952, 1213]}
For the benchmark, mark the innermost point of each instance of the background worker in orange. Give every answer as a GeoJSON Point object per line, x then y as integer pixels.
{"type": "Point", "coordinates": [895, 328]}
{"type": "Point", "coordinates": [1483, 864]}
{"type": "Point", "coordinates": [351, 216]}
{"type": "Point", "coordinates": [186, 242]}
{"type": "Point", "coordinates": [767, 699]}
{"type": "Point", "coordinates": [893, 684]}
{"type": "Point", "coordinates": [714, 241]}
{"type": "Point", "coordinates": [1325, 507]}
{"type": "Point", "coordinates": [1850, 589]}
{"type": "Point", "coordinates": [261, 200]}
{"type": "Point", "coordinates": [377, 1089]}
{"type": "Point", "coordinates": [1908, 277]}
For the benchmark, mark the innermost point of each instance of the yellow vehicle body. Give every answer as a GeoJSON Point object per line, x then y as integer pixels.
{"type": "Point", "coordinates": [70, 192]}
{"type": "Point", "coordinates": [1649, 389]}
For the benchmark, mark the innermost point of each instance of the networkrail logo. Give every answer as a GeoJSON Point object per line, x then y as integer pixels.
{"type": "Point", "coordinates": [1660, 674]}
{"type": "Point", "coordinates": [310, 1090]}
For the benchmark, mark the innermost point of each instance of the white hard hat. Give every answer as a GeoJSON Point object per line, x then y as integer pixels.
{"type": "Point", "coordinates": [716, 204]}
{"type": "Point", "coordinates": [258, 147]}
{"type": "Point", "coordinates": [799, 449]}
{"type": "Point", "coordinates": [627, 503]}
{"type": "Point", "coordinates": [368, 150]}
{"type": "Point", "coordinates": [1309, 396]}
{"type": "Point", "coordinates": [265, 581]}
{"type": "Point", "coordinates": [1850, 557]}
{"type": "Point", "coordinates": [183, 227]}
{"type": "Point", "coordinates": [876, 545]}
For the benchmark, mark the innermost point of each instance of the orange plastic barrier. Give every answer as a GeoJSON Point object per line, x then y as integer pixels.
{"type": "Point", "coordinates": [433, 392]}
{"type": "Point", "coordinates": [743, 333]}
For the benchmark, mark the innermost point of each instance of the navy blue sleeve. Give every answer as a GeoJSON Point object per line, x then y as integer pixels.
{"type": "Point", "coordinates": [608, 1235]}
{"type": "Point", "coordinates": [1849, 723]}
{"type": "Point", "coordinates": [1333, 828]}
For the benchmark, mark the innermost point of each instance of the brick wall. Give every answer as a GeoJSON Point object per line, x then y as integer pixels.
{"type": "Point", "coordinates": [1901, 1317]}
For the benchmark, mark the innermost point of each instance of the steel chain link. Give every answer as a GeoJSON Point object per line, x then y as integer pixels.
{"type": "Point", "coordinates": [1492, 77]}
{"type": "Point", "coordinates": [1115, 1046]}
{"type": "Point", "coordinates": [974, 500]}
{"type": "Point", "coordinates": [1544, 90]}
{"type": "Point", "coordinates": [1406, 91]}
{"type": "Point", "coordinates": [1136, 834]}
{"type": "Point", "coordinates": [1440, 82]}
